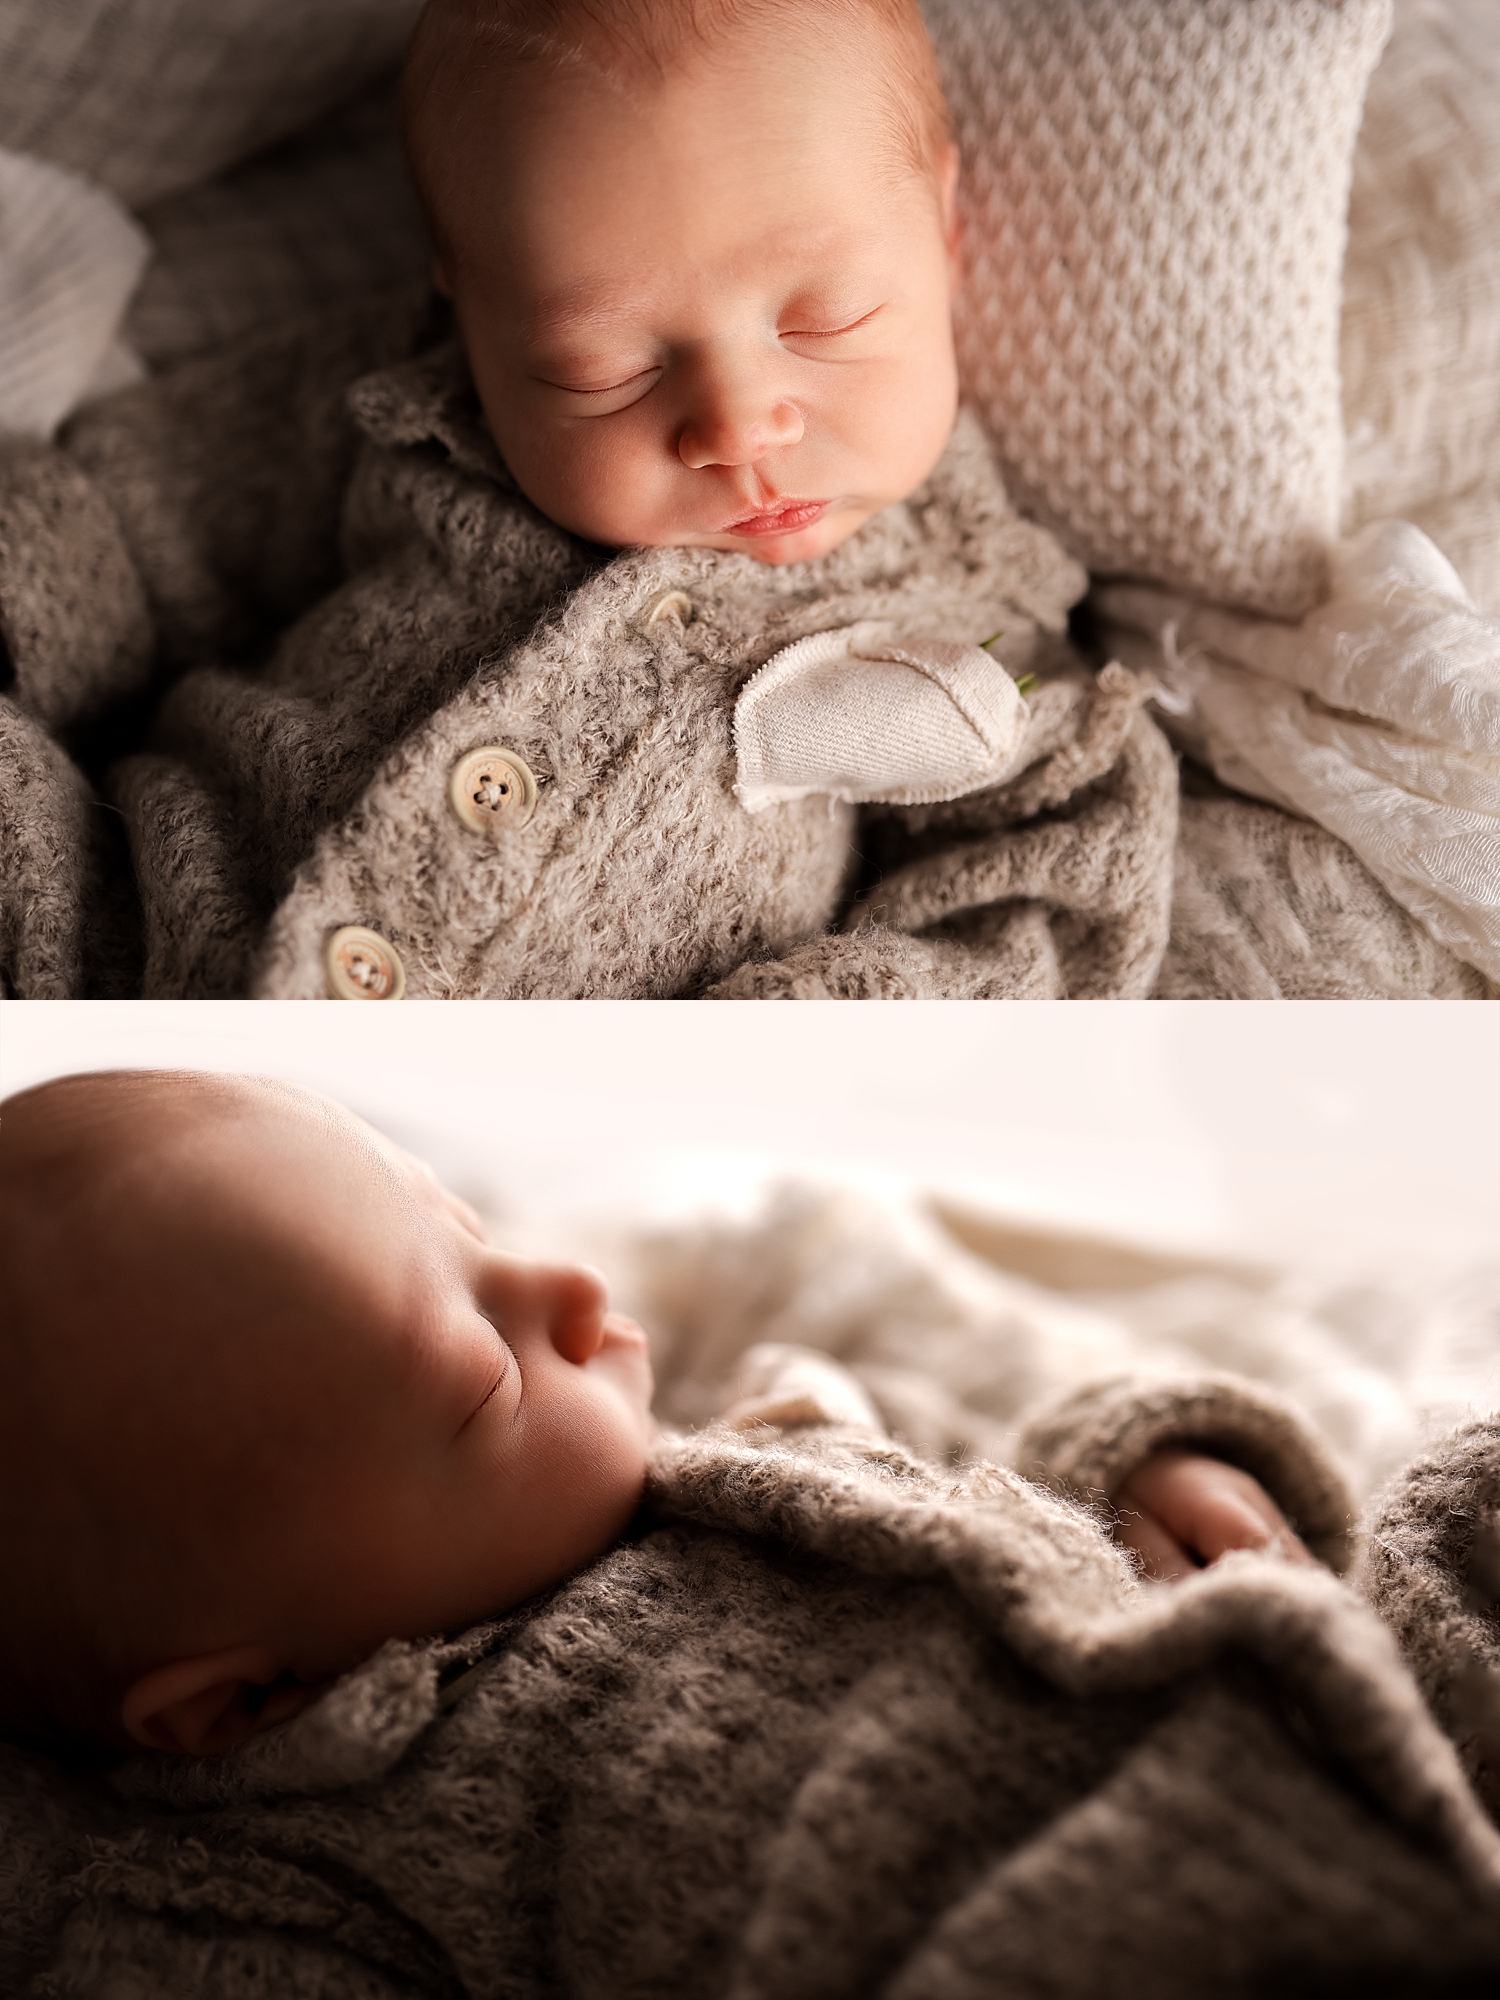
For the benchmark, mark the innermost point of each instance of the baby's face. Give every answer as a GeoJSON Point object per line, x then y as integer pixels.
{"type": "Point", "coordinates": [713, 312]}
{"type": "Point", "coordinates": [365, 1418]}
{"type": "Point", "coordinates": [490, 1417]}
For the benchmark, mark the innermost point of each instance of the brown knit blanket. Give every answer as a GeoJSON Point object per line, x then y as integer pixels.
{"type": "Point", "coordinates": [829, 1723]}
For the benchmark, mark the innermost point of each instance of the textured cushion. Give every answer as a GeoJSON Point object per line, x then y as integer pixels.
{"type": "Point", "coordinates": [147, 96]}
{"type": "Point", "coordinates": [1421, 346]}
{"type": "Point", "coordinates": [1156, 197]}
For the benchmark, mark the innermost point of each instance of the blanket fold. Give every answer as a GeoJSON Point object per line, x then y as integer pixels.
{"type": "Point", "coordinates": [831, 1721]}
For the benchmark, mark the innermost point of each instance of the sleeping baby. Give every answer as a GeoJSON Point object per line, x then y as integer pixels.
{"type": "Point", "coordinates": [270, 1398]}
{"type": "Point", "coordinates": [512, 1696]}
{"type": "Point", "coordinates": [686, 623]}
{"type": "Point", "coordinates": [701, 258]}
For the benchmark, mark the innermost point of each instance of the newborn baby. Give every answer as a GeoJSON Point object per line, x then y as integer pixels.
{"type": "Point", "coordinates": [678, 555]}
{"type": "Point", "coordinates": [701, 258]}
{"type": "Point", "coordinates": [268, 1398]}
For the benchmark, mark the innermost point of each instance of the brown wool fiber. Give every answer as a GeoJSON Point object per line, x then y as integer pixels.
{"type": "Point", "coordinates": [834, 1721]}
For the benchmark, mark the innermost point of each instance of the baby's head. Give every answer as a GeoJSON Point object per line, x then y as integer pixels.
{"type": "Point", "coordinates": [701, 256]}
{"type": "Point", "coordinates": [268, 1397]}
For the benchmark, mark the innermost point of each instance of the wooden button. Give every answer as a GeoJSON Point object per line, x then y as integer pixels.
{"type": "Point", "coordinates": [492, 788]}
{"type": "Point", "coordinates": [361, 965]}
{"type": "Point", "coordinates": [671, 604]}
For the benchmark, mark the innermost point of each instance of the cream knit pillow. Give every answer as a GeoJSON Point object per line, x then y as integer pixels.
{"type": "Point", "coordinates": [1156, 194]}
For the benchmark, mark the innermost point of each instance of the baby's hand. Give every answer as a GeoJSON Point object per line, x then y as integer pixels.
{"type": "Point", "coordinates": [1181, 1510]}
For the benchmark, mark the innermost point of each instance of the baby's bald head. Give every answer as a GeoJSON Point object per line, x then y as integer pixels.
{"type": "Point", "coordinates": [462, 50]}
{"type": "Point", "coordinates": [138, 1349]}
{"type": "Point", "coordinates": [261, 1408]}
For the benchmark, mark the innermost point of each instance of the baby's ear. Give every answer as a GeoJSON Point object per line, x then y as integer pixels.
{"type": "Point", "coordinates": [201, 1706]}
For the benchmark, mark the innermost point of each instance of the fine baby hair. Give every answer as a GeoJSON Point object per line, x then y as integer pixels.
{"type": "Point", "coordinates": [460, 45]}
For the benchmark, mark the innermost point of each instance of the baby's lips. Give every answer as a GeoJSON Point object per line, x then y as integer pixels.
{"type": "Point", "coordinates": [622, 1328]}
{"type": "Point", "coordinates": [628, 1339]}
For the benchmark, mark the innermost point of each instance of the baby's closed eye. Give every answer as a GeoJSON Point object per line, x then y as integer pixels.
{"type": "Point", "coordinates": [811, 324]}
{"type": "Point", "coordinates": [601, 394]}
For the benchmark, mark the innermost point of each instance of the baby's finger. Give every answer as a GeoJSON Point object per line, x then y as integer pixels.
{"type": "Point", "coordinates": [1162, 1558]}
{"type": "Point", "coordinates": [1233, 1512]}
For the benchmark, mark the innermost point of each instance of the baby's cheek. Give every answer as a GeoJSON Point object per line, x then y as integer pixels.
{"type": "Point", "coordinates": [598, 485]}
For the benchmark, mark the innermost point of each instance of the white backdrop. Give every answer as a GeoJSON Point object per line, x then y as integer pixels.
{"type": "Point", "coordinates": [1350, 1130]}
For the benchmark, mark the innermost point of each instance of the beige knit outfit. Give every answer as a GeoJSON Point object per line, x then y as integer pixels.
{"type": "Point", "coordinates": [188, 522]}
{"type": "Point", "coordinates": [189, 519]}
{"type": "Point", "coordinates": [280, 806]}
{"type": "Point", "coordinates": [832, 1721]}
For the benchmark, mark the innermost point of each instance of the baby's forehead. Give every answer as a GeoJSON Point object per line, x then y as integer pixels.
{"type": "Point", "coordinates": [198, 1180]}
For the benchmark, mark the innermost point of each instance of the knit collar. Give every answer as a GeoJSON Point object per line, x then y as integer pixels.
{"type": "Point", "coordinates": [432, 400]}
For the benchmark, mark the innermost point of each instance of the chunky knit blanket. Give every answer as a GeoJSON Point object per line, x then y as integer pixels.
{"type": "Point", "coordinates": [833, 1723]}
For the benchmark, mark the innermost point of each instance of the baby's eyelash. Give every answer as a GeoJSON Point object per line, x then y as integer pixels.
{"type": "Point", "coordinates": [507, 1362]}
{"type": "Point", "coordinates": [828, 332]}
{"type": "Point", "coordinates": [608, 388]}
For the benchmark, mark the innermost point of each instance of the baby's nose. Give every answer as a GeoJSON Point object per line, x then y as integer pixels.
{"type": "Point", "coordinates": [576, 1299]}
{"type": "Point", "coordinates": [737, 429]}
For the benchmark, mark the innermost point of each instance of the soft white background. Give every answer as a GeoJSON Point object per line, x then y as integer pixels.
{"type": "Point", "coordinates": [1364, 1131]}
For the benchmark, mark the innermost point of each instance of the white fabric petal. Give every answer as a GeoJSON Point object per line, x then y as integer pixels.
{"type": "Point", "coordinates": [70, 257]}
{"type": "Point", "coordinates": [859, 716]}
{"type": "Point", "coordinates": [1377, 716]}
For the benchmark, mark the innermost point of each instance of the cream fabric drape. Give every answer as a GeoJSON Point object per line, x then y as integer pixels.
{"type": "Point", "coordinates": [1377, 716]}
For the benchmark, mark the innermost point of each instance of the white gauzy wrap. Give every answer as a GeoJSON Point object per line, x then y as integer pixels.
{"type": "Point", "coordinates": [1377, 716]}
{"type": "Point", "coordinates": [70, 257]}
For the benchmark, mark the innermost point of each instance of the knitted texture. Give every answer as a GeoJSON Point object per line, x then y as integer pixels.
{"type": "Point", "coordinates": [827, 1724]}
{"type": "Point", "coordinates": [314, 227]}
{"type": "Point", "coordinates": [148, 96]}
{"type": "Point", "coordinates": [1431, 1565]}
{"type": "Point", "coordinates": [74, 615]}
{"type": "Point", "coordinates": [1089, 1445]}
{"type": "Point", "coordinates": [276, 807]}
{"type": "Point", "coordinates": [1268, 907]}
{"type": "Point", "coordinates": [207, 515]}
{"type": "Point", "coordinates": [1000, 874]}
{"type": "Point", "coordinates": [227, 476]}
{"type": "Point", "coordinates": [47, 864]}
{"type": "Point", "coordinates": [1156, 194]}
{"type": "Point", "coordinates": [1421, 327]}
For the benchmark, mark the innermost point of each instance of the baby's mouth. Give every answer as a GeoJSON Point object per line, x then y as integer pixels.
{"type": "Point", "coordinates": [787, 517]}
